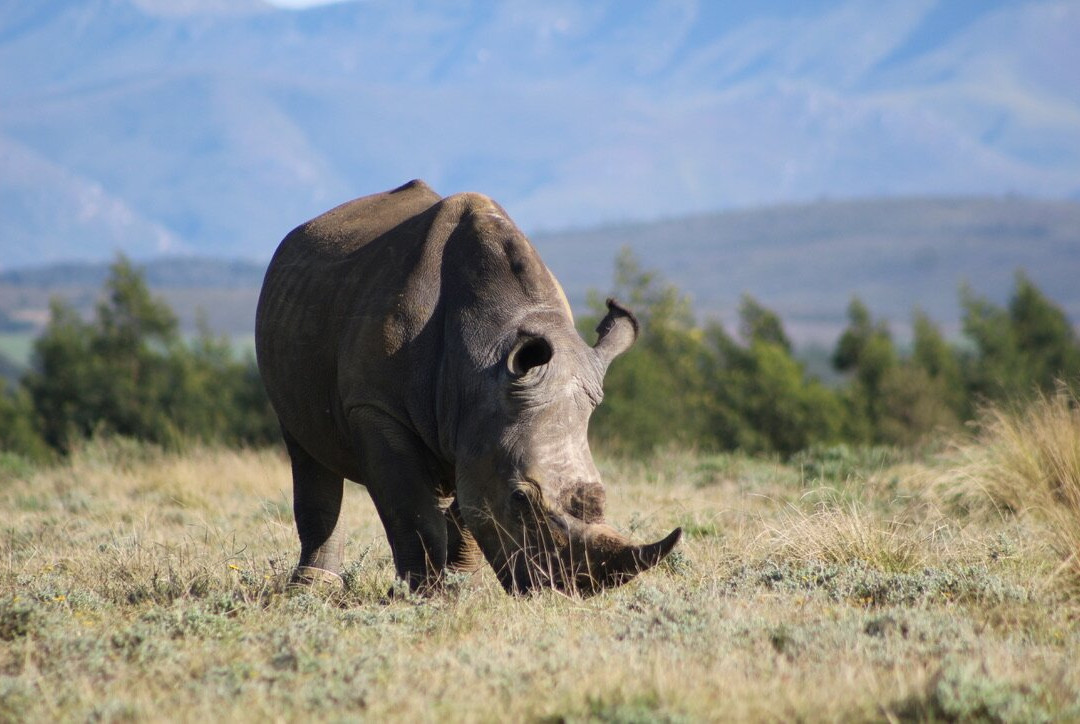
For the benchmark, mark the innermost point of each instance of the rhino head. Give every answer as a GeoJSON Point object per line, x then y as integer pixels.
{"type": "Point", "coordinates": [527, 487]}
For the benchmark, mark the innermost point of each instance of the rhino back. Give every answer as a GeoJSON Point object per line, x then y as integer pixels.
{"type": "Point", "coordinates": [331, 281]}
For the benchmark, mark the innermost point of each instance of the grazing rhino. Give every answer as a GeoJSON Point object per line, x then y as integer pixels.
{"type": "Point", "coordinates": [419, 346]}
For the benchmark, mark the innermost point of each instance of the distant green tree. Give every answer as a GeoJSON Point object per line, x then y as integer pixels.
{"type": "Point", "coordinates": [892, 399]}
{"type": "Point", "coordinates": [129, 372]}
{"type": "Point", "coordinates": [111, 374]}
{"type": "Point", "coordinates": [63, 382]}
{"type": "Point", "coordinates": [865, 347]}
{"type": "Point", "coordinates": [913, 406]}
{"type": "Point", "coordinates": [653, 394]}
{"type": "Point", "coordinates": [1027, 346]}
{"type": "Point", "coordinates": [865, 350]}
{"type": "Point", "coordinates": [932, 352]}
{"type": "Point", "coordinates": [1046, 340]}
{"type": "Point", "coordinates": [222, 398]}
{"type": "Point", "coordinates": [761, 398]}
{"type": "Point", "coordinates": [777, 408]}
{"type": "Point", "coordinates": [946, 402]}
{"type": "Point", "coordinates": [692, 386]}
{"type": "Point", "coordinates": [131, 342]}
{"type": "Point", "coordinates": [253, 420]}
{"type": "Point", "coordinates": [992, 368]}
{"type": "Point", "coordinates": [19, 434]}
{"type": "Point", "coordinates": [758, 324]}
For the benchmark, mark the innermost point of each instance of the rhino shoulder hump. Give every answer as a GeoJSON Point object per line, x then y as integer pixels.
{"type": "Point", "coordinates": [354, 223]}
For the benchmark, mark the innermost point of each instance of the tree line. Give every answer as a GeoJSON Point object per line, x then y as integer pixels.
{"type": "Point", "coordinates": [128, 371]}
{"type": "Point", "coordinates": [697, 384]}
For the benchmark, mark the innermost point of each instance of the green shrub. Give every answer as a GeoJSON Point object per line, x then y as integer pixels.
{"type": "Point", "coordinates": [965, 692]}
{"type": "Point", "coordinates": [822, 464]}
{"type": "Point", "coordinates": [695, 386]}
{"type": "Point", "coordinates": [17, 618]}
{"type": "Point", "coordinates": [128, 372]}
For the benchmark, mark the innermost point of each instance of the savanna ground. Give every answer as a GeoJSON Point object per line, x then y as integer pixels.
{"type": "Point", "coordinates": [843, 585]}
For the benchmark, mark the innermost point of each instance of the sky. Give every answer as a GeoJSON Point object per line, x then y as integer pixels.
{"type": "Point", "coordinates": [304, 3]}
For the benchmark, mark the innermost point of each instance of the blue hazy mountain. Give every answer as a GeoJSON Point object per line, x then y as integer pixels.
{"type": "Point", "coordinates": [215, 126]}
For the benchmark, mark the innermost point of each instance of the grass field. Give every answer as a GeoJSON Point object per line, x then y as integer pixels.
{"type": "Point", "coordinates": [845, 585]}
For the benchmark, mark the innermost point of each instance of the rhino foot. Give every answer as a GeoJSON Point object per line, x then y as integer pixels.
{"type": "Point", "coordinates": [310, 577]}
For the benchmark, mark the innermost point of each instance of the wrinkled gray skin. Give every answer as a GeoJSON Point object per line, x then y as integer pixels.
{"type": "Point", "coordinates": [417, 345]}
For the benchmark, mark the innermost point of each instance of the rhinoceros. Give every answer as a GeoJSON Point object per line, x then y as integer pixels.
{"type": "Point", "coordinates": [418, 345]}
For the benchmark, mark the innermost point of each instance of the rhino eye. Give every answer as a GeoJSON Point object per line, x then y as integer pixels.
{"type": "Point", "coordinates": [529, 353]}
{"type": "Point", "coordinates": [519, 496]}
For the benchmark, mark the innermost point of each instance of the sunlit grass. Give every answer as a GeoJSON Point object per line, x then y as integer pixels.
{"type": "Point", "coordinates": [847, 533]}
{"type": "Point", "coordinates": [139, 584]}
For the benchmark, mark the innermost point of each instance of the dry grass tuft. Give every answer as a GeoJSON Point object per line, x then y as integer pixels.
{"type": "Point", "coordinates": [1025, 461]}
{"type": "Point", "coordinates": [845, 533]}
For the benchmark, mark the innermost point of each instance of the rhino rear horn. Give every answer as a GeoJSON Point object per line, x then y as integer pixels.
{"type": "Point", "coordinates": [615, 333]}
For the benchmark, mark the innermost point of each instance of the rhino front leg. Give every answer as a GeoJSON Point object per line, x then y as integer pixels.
{"type": "Point", "coordinates": [401, 479]}
{"type": "Point", "coordinates": [317, 495]}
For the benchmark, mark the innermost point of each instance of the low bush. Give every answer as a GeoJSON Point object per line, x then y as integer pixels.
{"type": "Point", "coordinates": [1025, 460]}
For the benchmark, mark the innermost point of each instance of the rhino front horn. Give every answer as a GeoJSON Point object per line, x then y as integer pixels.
{"type": "Point", "coordinates": [646, 556]}
{"type": "Point", "coordinates": [613, 561]}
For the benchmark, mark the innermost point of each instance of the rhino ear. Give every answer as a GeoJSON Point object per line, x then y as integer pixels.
{"type": "Point", "coordinates": [616, 332]}
{"type": "Point", "coordinates": [528, 353]}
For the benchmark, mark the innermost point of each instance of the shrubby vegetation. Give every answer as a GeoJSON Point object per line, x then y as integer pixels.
{"type": "Point", "coordinates": [129, 372]}
{"type": "Point", "coordinates": [687, 383]}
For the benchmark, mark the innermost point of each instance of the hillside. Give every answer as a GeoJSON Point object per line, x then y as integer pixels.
{"type": "Point", "coordinates": [805, 262]}
{"type": "Point", "coordinates": [223, 291]}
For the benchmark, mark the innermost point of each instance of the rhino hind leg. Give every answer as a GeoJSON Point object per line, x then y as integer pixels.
{"type": "Point", "coordinates": [317, 493]}
{"type": "Point", "coordinates": [462, 552]}
{"type": "Point", "coordinates": [400, 478]}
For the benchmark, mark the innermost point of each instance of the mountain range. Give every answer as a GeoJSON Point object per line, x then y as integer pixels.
{"type": "Point", "coordinates": [805, 262]}
{"type": "Point", "coordinates": [212, 127]}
